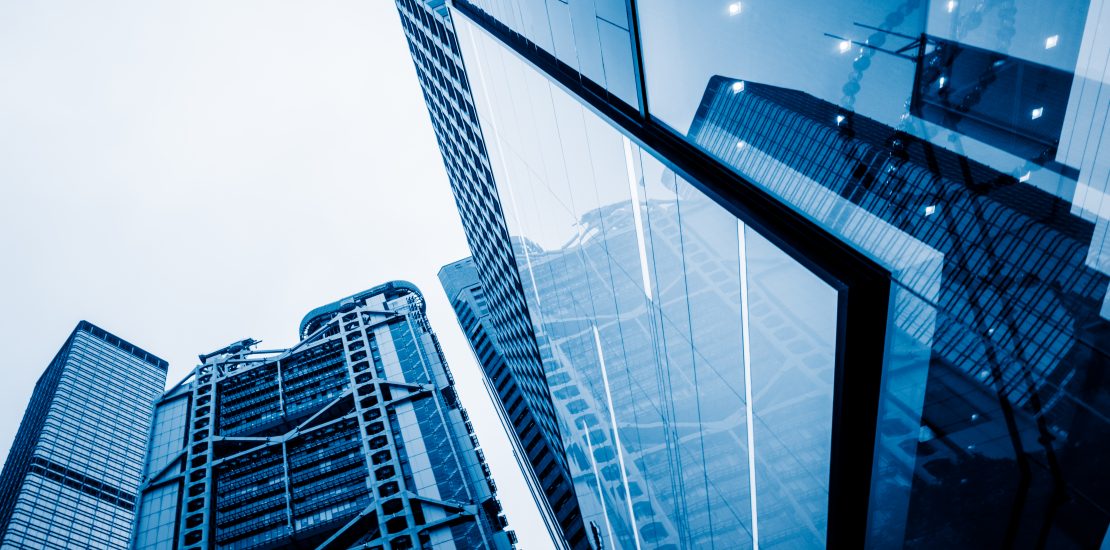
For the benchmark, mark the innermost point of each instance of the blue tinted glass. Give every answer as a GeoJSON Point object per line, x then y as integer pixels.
{"type": "Point", "coordinates": [634, 279]}
{"type": "Point", "coordinates": [591, 37]}
{"type": "Point", "coordinates": [959, 145]}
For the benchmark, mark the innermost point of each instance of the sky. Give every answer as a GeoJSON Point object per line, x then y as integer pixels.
{"type": "Point", "coordinates": [189, 173]}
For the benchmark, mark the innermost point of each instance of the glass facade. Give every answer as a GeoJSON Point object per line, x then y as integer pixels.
{"type": "Point", "coordinates": [352, 438]}
{"type": "Point", "coordinates": [439, 68]}
{"type": "Point", "coordinates": [635, 287]}
{"type": "Point", "coordinates": [73, 473]}
{"type": "Point", "coordinates": [591, 38]}
{"type": "Point", "coordinates": [702, 352]}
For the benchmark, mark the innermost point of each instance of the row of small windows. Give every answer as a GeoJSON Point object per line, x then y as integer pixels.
{"type": "Point", "coordinates": [480, 185]}
{"type": "Point", "coordinates": [428, 21]}
{"type": "Point", "coordinates": [139, 353]}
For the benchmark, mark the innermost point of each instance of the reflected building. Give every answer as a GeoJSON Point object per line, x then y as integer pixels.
{"type": "Point", "coordinates": [353, 438]}
{"type": "Point", "coordinates": [72, 476]}
{"type": "Point", "coordinates": [830, 274]}
{"type": "Point", "coordinates": [1017, 326]}
{"type": "Point", "coordinates": [438, 61]}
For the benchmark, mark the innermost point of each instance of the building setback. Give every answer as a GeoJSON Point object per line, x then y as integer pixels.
{"type": "Point", "coordinates": [71, 478]}
{"type": "Point", "coordinates": [447, 92]}
{"type": "Point", "coordinates": [802, 274]}
{"type": "Point", "coordinates": [353, 438]}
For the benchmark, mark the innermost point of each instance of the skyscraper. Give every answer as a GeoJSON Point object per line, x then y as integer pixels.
{"type": "Point", "coordinates": [808, 274]}
{"type": "Point", "coordinates": [472, 308]}
{"type": "Point", "coordinates": [72, 476]}
{"type": "Point", "coordinates": [439, 68]}
{"type": "Point", "coordinates": [352, 438]}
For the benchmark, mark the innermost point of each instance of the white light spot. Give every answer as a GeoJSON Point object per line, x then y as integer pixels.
{"type": "Point", "coordinates": [924, 433]}
{"type": "Point", "coordinates": [741, 144]}
{"type": "Point", "coordinates": [941, 82]}
{"type": "Point", "coordinates": [1051, 41]}
{"type": "Point", "coordinates": [734, 8]}
{"type": "Point", "coordinates": [1025, 177]}
{"type": "Point", "coordinates": [845, 45]}
{"type": "Point", "coordinates": [1036, 113]}
{"type": "Point", "coordinates": [839, 119]}
{"type": "Point", "coordinates": [737, 87]}
{"type": "Point", "coordinates": [633, 188]}
{"type": "Point", "coordinates": [930, 210]}
{"type": "Point", "coordinates": [952, 6]}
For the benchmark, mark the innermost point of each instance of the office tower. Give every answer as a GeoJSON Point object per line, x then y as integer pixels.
{"type": "Point", "coordinates": [71, 478]}
{"type": "Point", "coordinates": [810, 274]}
{"type": "Point", "coordinates": [443, 80]}
{"type": "Point", "coordinates": [353, 438]}
{"type": "Point", "coordinates": [468, 298]}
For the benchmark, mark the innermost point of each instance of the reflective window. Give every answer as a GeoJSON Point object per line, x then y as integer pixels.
{"type": "Point", "coordinates": [999, 74]}
{"type": "Point", "coordinates": [168, 436]}
{"type": "Point", "coordinates": [158, 518]}
{"type": "Point", "coordinates": [591, 37]}
{"type": "Point", "coordinates": [691, 362]}
{"type": "Point", "coordinates": [960, 145]}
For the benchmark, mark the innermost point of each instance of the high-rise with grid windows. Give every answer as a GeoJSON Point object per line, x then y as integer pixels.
{"type": "Point", "coordinates": [353, 438]}
{"type": "Point", "coordinates": [73, 473]}
{"type": "Point", "coordinates": [802, 274]}
{"type": "Point", "coordinates": [447, 91]}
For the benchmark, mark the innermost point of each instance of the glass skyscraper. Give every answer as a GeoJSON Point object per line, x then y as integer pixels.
{"type": "Point", "coordinates": [447, 91]}
{"type": "Point", "coordinates": [72, 476]}
{"type": "Point", "coordinates": [353, 438]}
{"type": "Point", "coordinates": [806, 274]}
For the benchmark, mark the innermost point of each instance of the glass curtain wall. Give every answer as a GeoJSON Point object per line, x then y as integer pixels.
{"type": "Point", "coordinates": [956, 143]}
{"type": "Point", "coordinates": [960, 145]}
{"type": "Point", "coordinates": [690, 360]}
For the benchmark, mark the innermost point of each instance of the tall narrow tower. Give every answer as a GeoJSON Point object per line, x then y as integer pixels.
{"type": "Point", "coordinates": [73, 472]}
{"type": "Point", "coordinates": [352, 438]}
{"type": "Point", "coordinates": [434, 45]}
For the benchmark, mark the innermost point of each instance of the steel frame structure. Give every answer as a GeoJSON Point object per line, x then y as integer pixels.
{"type": "Point", "coordinates": [340, 447]}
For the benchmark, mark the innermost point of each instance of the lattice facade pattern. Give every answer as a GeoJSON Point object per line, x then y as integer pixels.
{"type": "Point", "coordinates": [354, 438]}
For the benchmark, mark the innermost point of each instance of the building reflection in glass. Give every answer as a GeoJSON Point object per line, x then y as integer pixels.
{"type": "Point", "coordinates": [634, 280]}
{"type": "Point", "coordinates": [957, 144]}
{"type": "Point", "coordinates": [1017, 329]}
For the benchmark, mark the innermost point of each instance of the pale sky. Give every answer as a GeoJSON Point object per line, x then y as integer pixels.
{"type": "Point", "coordinates": [187, 173]}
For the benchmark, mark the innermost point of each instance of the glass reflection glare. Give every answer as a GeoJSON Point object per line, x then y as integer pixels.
{"type": "Point", "coordinates": [702, 429]}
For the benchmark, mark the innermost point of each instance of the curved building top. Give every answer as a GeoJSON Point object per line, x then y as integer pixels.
{"type": "Point", "coordinates": [392, 289]}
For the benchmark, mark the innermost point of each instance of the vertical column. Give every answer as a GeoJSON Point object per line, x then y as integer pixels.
{"type": "Point", "coordinates": [196, 528]}
{"type": "Point", "coordinates": [384, 481]}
